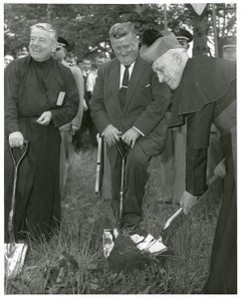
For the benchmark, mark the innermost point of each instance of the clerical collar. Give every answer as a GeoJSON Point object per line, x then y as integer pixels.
{"type": "Point", "coordinates": [44, 62]}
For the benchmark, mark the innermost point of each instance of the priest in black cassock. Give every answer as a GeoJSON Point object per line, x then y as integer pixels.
{"type": "Point", "coordinates": [40, 96]}
{"type": "Point", "coordinates": [204, 93]}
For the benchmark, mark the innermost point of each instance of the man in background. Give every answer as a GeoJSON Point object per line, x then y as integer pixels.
{"type": "Point", "coordinates": [68, 130]}
{"type": "Point", "coordinates": [7, 59]}
{"type": "Point", "coordinates": [82, 137]}
{"type": "Point", "coordinates": [228, 48]}
{"type": "Point", "coordinates": [91, 79]}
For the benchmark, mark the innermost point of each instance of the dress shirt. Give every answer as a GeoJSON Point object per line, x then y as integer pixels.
{"type": "Point", "coordinates": [122, 70]}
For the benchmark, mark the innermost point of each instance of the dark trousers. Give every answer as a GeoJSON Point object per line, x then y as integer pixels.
{"type": "Point", "coordinates": [136, 177]}
{"type": "Point", "coordinates": [223, 268]}
{"type": "Point", "coordinates": [85, 137]}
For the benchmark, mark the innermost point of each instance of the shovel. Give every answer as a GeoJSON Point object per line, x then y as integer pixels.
{"type": "Point", "coordinates": [121, 203]}
{"type": "Point", "coordinates": [109, 235]}
{"type": "Point", "coordinates": [99, 170]}
{"type": "Point", "coordinates": [14, 253]}
{"type": "Point", "coordinates": [173, 222]}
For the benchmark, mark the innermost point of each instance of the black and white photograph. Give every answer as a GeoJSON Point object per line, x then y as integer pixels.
{"type": "Point", "coordinates": [120, 148]}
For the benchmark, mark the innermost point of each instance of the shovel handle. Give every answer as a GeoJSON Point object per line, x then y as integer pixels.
{"type": "Point", "coordinates": [12, 211]}
{"type": "Point", "coordinates": [98, 177]}
{"type": "Point", "coordinates": [17, 162]}
{"type": "Point", "coordinates": [121, 203]}
{"type": "Point", "coordinates": [122, 153]}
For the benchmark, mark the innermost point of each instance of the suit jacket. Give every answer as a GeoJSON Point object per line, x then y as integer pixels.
{"type": "Point", "coordinates": [146, 105]}
{"type": "Point", "coordinates": [77, 74]}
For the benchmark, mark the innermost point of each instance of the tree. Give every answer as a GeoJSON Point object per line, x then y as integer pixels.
{"type": "Point", "coordinates": [200, 32]}
{"type": "Point", "coordinates": [86, 26]}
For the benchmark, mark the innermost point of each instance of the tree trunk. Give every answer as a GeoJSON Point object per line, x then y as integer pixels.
{"type": "Point", "coordinates": [200, 25]}
{"type": "Point", "coordinates": [50, 14]}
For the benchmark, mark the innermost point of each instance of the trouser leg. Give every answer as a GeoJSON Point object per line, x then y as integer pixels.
{"type": "Point", "coordinates": [136, 177]}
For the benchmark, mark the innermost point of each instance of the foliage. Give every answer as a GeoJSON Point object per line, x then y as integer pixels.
{"type": "Point", "coordinates": [86, 26]}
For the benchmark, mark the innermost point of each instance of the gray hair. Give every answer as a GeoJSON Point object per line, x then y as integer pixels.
{"type": "Point", "coordinates": [47, 27]}
{"type": "Point", "coordinates": [119, 30]}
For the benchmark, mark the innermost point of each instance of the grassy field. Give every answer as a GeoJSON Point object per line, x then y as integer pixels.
{"type": "Point", "coordinates": [73, 263]}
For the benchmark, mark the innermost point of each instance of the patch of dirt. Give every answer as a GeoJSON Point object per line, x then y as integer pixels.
{"type": "Point", "coordinates": [125, 255]}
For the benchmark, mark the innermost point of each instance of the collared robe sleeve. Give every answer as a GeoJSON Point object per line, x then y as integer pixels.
{"type": "Point", "coordinates": [68, 111]}
{"type": "Point", "coordinates": [198, 132]}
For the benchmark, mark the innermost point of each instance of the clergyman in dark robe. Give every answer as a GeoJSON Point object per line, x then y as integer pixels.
{"type": "Point", "coordinates": [40, 96]}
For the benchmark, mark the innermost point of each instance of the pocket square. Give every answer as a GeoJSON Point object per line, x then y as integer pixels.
{"type": "Point", "coordinates": [147, 85]}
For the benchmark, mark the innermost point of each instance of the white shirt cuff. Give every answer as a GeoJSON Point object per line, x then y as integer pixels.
{"type": "Point", "coordinates": [140, 132]}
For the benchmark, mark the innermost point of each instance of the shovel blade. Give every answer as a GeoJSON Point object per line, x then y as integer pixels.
{"type": "Point", "coordinates": [109, 236]}
{"type": "Point", "coordinates": [14, 257]}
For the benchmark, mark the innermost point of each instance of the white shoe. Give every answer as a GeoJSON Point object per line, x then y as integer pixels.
{"type": "Point", "coordinates": [149, 244]}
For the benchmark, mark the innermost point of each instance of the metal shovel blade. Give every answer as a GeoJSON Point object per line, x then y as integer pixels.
{"type": "Point", "coordinates": [109, 236]}
{"type": "Point", "coordinates": [14, 257]}
{"type": "Point", "coordinates": [173, 218]}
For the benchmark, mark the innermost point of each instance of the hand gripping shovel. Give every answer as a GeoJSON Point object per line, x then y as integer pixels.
{"type": "Point", "coordinates": [159, 246]}
{"type": "Point", "coordinates": [14, 253]}
{"type": "Point", "coordinates": [173, 222]}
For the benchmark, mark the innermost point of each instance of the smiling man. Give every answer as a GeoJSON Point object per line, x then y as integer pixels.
{"type": "Point", "coordinates": [128, 107]}
{"type": "Point", "coordinates": [40, 96]}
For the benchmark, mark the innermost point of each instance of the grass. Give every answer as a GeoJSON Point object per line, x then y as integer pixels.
{"type": "Point", "coordinates": [73, 263]}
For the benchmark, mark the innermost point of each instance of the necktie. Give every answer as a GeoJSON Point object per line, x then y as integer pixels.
{"type": "Point", "coordinates": [124, 87]}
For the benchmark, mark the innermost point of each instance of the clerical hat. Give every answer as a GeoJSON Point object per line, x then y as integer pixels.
{"type": "Point", "coordinates": [159, 47]}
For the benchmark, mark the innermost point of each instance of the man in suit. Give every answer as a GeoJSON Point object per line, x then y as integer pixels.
{"type": "Point", "coordinates": [128, 107]}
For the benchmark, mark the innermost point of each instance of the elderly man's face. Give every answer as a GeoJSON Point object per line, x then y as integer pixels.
{"type": "Point", "coordinates": [41, 44]}
{"type": "Point", "coordinates": [126, 49]}
{"type": "Point", "coordinates": [168, 70]}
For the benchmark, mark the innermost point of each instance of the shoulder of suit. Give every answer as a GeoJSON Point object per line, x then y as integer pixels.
{"type": "Point", "coordinates": [112, 62]}
{"type": "Point", "coordinates": [76, 70]}
{"type": "Point", "coordinates": [142, 61]}
{"type": "Point", "coordinates": [107, 66]}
